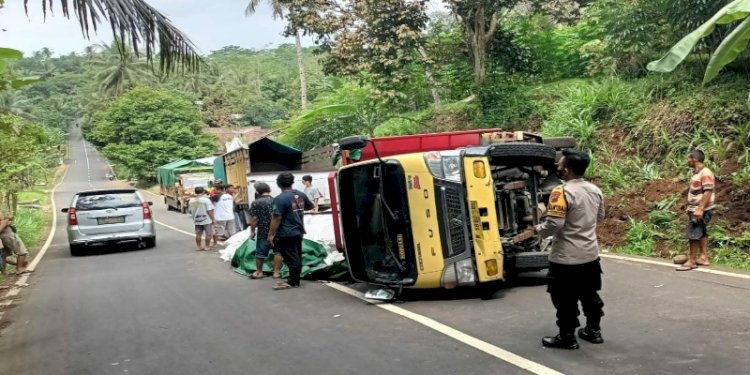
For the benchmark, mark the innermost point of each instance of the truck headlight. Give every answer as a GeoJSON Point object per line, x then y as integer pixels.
{"type": "Point", "coordinates": [465, 272]}
{"type": "Point", "coordinates": [444, 164]}
{"type": "Point", "coordinates": [461, 273]}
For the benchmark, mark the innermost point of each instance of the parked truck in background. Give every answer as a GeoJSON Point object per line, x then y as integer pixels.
{"type": "Point", "coordinates": [178, 180]}
{"type": "Point", "coordinates": [265, 159]}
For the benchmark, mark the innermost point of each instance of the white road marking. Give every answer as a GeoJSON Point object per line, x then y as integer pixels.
{"type": "Point", "coordinates": [175, 229]}
{"type": "Point", "coordinates": [670, 265]}
{"type": "Point", "coordinates": [499, 353]}
{"type": "Point", "coordinates": [88, 165]}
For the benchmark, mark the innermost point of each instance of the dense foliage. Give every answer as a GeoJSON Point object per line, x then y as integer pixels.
{"type": "Point", "coordinates": [146, 128]}
{"type": "Point", "coordinates": [562, 67]}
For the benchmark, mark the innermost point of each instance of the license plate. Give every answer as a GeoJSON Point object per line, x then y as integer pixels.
{"type": "Point", "coordinates": [110, 220]}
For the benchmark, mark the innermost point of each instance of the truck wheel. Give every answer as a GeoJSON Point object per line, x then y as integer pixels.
{"type": "Point", "coordinates": [560, 142]}
{"type": "Point", "coordinates": [522, 154]}
{"type": "Point", "coordinates": [150, 242]}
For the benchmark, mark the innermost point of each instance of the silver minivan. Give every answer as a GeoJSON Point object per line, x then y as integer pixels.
{"type": "Point", "coordinates": [109, 217]}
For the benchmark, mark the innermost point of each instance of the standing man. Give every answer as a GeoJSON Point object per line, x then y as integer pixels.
{"type": "Point", "coordinates": [202, 211]}
{"type": "Point", "coordinates": [224, 213]}
{"type": "Point", "coordinates": [574, 269]}
{"type": "Point", "coordinates": [700, 208]}
{"type": "Point", "coordinates": [313, 193]}
{"type": "Point", "coordinates": [260, 224]}
{"type": "Point", "coordinates": [288, 227]}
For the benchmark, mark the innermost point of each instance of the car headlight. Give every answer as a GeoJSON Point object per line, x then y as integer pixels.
{"type": "Point", "coordinates": [445, 164]}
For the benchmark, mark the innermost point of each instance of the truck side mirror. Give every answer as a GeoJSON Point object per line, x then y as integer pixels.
{"type": "Point", "coordinates": [353, 143]}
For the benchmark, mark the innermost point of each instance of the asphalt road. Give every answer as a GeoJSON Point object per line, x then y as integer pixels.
{"type": "Point", "coordinates": [171, 310]}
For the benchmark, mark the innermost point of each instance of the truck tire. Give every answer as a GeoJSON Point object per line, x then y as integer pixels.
{"type": "Point", "coordinates": [522, 154]}
{"type": "Point", "coordinates": [560, 142]}
{"type": "Point", "coordinates": [150, 242]}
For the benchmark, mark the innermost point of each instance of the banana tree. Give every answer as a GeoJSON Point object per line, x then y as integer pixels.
{"type": "Point", "coordinates": [729, 49]}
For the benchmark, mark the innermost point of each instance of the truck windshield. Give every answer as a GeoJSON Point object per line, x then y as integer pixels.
{"type": "Point", "coordinates": [376, 228]}
{"type": "Point", "coordinates": [195, 182]}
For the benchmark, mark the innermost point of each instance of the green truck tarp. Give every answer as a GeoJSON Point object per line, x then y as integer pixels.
{"type": "Point", "coordinates": [220, 172]}
{"type": "Point", "coordinates": [166, 173]}
{"type": "Point", "coordinates": [313, 265]}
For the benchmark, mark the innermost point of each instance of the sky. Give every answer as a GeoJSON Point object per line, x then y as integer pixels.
{"type": "Point", "coordinates": [209, 24]}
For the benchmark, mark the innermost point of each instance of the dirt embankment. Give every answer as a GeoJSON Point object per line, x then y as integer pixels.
{"type": "Point", "coordinates": [732, 212]}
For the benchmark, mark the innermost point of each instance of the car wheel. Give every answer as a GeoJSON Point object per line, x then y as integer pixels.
{"type": "Point", "coordinates": [76, 250]}
{"type": "Point", "coordinates": [150, 242]}
{"type": "Point", "coordinates": [522, 153]}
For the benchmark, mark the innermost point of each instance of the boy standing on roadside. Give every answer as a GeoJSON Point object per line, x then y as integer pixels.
{"type": "Point", "coordinates": [260, 224]}
{"type": "Point", "coordinates": [202, 211]}
{"type": "Point", "coordinates": [224, 213]}
{"type": "Point", "coordinates": [312, 192]}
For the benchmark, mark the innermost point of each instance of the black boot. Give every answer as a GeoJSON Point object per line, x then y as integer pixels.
{"type": "Point", "coordinates": [593, 336]}
{"type": "Point", "coordinates": [561, 341]}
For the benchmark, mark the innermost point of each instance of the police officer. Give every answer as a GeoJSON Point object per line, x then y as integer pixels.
{"type": "Point", "coordinates": [574, 272]}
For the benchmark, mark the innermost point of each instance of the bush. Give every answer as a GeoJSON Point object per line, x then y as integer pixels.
{"type": "Point", "coordinates": [31, 224]}
{"type": "Point", "coordinates": [641, 239]}
{"type": "Point", "coordinates": [504, 103]}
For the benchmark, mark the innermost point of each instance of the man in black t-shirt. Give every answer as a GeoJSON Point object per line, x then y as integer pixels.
{"type": "Point", "coordinates": [288, 227]}
{"type": "Point", "coordinates": [260, 224]}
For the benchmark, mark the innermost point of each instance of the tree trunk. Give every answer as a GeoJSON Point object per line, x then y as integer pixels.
{"type": "Point", "coordinates": [478, 47]}
{"type": "Point", "coordinates": [430, 78]}
{"type": "Point", "coordinates": [302, 75]}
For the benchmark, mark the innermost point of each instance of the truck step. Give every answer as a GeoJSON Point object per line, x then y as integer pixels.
{"type": "Point", "coordinates": [532, 259]}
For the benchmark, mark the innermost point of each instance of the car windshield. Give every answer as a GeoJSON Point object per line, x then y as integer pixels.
{"type": "Point", "coordinates": [191, 183]}
{"type": "Point", "coordinates": [110, 200]}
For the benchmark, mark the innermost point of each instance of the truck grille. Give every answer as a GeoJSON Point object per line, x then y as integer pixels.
{"type": "Point", "coordinates": [455, 220]}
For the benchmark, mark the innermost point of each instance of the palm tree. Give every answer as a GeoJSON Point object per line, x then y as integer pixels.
{"type": "Point", "coordinates": [13, 103]}
{"type": "Point", "coordinates": [136, 22]}
{"type": "Point", "coordinates": [278, 12]}
{"type": "Point", "coordinates": [117, 68]}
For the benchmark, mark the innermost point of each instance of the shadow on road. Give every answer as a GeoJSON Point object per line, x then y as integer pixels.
{"type": "Point", "coordinates": [111, 249]}
{"type": "Point", "coordinates": [490, 291]}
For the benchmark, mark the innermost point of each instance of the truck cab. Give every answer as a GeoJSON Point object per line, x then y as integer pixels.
{"type": "Point", "coordinates": [445, 218]}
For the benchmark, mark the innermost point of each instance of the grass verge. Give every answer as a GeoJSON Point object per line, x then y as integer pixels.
{"type": "Point", "coordinates": [33, 223]}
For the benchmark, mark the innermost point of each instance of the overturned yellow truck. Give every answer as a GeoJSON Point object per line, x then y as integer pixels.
{"type": "Point", "coordinates": [445, 218]}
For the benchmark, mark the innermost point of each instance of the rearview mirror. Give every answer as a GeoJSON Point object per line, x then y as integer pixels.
{"type": "Point", "coordinates": [381, 294]}
{"type": "Point", "coordinates": [353, 143]}
{"type": "Point", "coordinates": [64, 210]}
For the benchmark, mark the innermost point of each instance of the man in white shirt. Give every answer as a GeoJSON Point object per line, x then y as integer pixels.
{"type": "Point", "coordinates": [202, 211]}
{"type": "Point", "coordinates": [312, 192]}
{"type": "Point", "coordinates": [225, 214]}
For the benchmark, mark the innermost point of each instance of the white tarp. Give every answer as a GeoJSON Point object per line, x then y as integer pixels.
{"type": "Point", "coordinates": [234, 144]}
{"type": "Point", "coordinates": [232, 244]}
{"type": "Point", "coordinates": [319, 229]}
